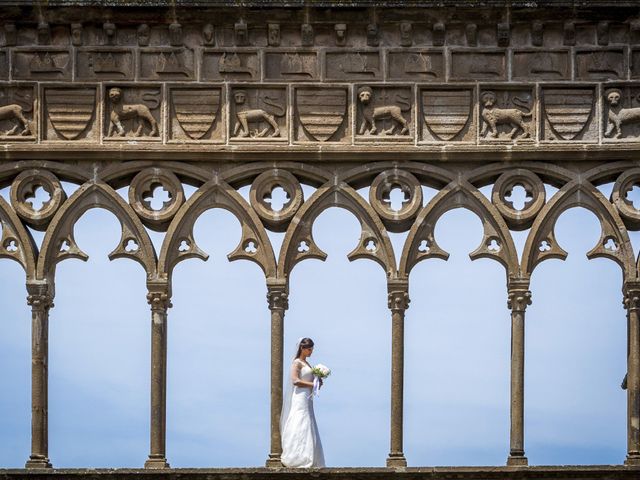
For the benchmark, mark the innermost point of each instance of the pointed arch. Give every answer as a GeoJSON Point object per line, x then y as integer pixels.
{"type": "Point", "coordinates": [59, 242]}
{"type": "Point", "coordinates": [541, 243]}
{"type": "Point", "coordinates": [179, 243]}
{"type": "Point", "coordinates": [16, 242]}
{"type": "Point", "coordinates": [421, 243]}
{"type": "Point", "coordinates": [336, 194]}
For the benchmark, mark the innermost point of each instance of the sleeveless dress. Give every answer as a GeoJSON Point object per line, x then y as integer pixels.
{"type": "Point", "coordinates": [301, 445]}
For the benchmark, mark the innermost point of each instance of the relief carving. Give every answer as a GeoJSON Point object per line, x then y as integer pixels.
{"type": "Point", "coordinates": [478, 66]}
{"type": "Point", "coordinates": [416, 65]}
{"type": "Point", "coordinates": [166, 64]}
{"type": "Point", "coordinates": [126, 118]}
{"type": "Point", "coordinates": [70, 113]}
{"type": "Point", "coordinates": [321, 113]}
{"type": "Point", "coordinates": [601, 64]}
{"type": "Point", "coordinates": [208, 35]}
{"type": "Point", "coordinates": [273, 34]}
{"type": "Point", "coordinates": [195, 112]}
{"type": "Point", "coordinates": [144, 35]}
{"type": "Point", "coordinates": [387, 112]}
{"type": "Point", "coordinates": [505, 115]}
{"type": "Point", "coordinates": [447, 114]}
{"type": "Point", "coordinates": [109, 31]}
{"type": "Point", "coordinates": [104, 63]}
{"type": "Point", "coordinates": [622, 122]}
{"type": "Point", "coordinates": [568, 113]}
{"type": "Point", "coordinates": [43, 33]}
{"type": "Point", "coordinates": [76, 34]}
{"type": "Point", "coordinates": [262, 109]}
{"type": "Point", "coordinates": [341, 34]}
{"type": "Point", "coordinates": [50, 64]}
{"type": "Point", "coordinates": [222, 65]}
{"type": "Point", "coordinates": [306, 34]}
{"type": "Point", "coordinates": [541, 64]}
{"type": "Point", "coordinates": [406, 34]}
{"type": "Point", "coordinates": [241, 33]}
{"type": "Point", "coordinates": [356, 65]}
{"type": "Point", "coordinates": [373, 35]}
{"type": "Point", "coordinates": [15, 104]}
{"type": "Point", "coordinates": [297, 66]}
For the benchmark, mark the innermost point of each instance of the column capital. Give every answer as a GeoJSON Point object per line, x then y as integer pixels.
{"type": "Point", "coordinates": [159, 296]}
{"type": "Point", "coordinates": [398, 295]}
{"type": "Point", "coordinates": [40, 295]}
{"type": "Point", "coordinates": [277, 298]}
{"type": "Point", "coordinates": [631, 292]}
{"type": "Point", "coordinates": [519, 295]}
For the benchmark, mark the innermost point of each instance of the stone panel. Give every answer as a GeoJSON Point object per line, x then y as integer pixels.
{"type": "Point", "coordinates": [322, 114]}
{"type": "Point", "coordinates": [507, 114]}
{"type": "Point", "coordinates": [258, 114]}
{"type": "Point", "coordinates": [132, 112]}
{"type": "Point", "coordinates": [166, 64]}
{"type": "Point", "coordinates": [230, 65]}
{"type": "Point", "coordinates": [104, 64]}
{"type": "Point", "coordinates": [416, 65]}
{"type": "Point", "coordinates": [357, 65]}
{"type": "Point", "coordinates": [295, 66]}
{"type": "Point", "coordinates": [621, 112]}
{"type": "Point", "coordinates": [384, 113]}
{"type": "Point", "coordinates": [18, 120]}
{"type": "Point", "coordinates": [196, 114]}
{"type": "Point", "coordinates": [601, 64]}
{"type": "Point", "coordinates": [568, 113]}
{"type": "Point", "coordinates": [474, 65]}
{"type": "Point", "coordinates": [447, 114]}
{"type": "Point", "coordinates": [41, 64]}
{"type": "Point", "coordinates": [70, 113]}
{"type": "Point", "coordinates": [541, 65]}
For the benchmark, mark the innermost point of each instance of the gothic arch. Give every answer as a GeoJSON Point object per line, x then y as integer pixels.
{"type": "Point", "coordinates": [336, 194]}
{"type": "Point", "coordinates": [117, 175]}
{"type": "Point", "coordinates": [16, 242]}
{"type": "Point", "coordinates": [59, 242]}
{"type": "Point", "coordinates": [216, 194]}
{"type": "Point", "coordinates": [496, 242]}
{"type": "Point", "coordinates": [541, 243]}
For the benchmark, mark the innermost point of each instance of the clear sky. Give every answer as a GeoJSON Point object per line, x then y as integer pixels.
{"type": "Point", "coordinates": [456, 365]}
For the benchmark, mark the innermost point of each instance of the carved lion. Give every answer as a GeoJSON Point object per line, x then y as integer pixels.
{"type": "Point", "coordinates": [246, 115]}
{"type": "Point", "coordinates": [121, 111]}
{"type": "Point", "coordinates": [15, 112]}
{"type": "Point", "coordinates": [371, 114]}
{"type": "Point", "coordinates": [618, 116]}
{"type": "Point", "coordinates": [494, 116]}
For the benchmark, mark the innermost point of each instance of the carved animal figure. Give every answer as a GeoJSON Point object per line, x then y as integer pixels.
{"type": "Point", "coordinates": [136, 111]}
{"type": "Point", "coordinates": [371, 114]}
{"type": "Point", "coordinates": [618, 116]}
{"type": "Point", "coordinates": [15, 112]}
{"type": "Point", "coordinates": [246, 115]}
{"type": "Point", "coordinates": [494, 116]}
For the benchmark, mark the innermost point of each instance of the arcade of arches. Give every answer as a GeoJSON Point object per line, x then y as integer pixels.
{"type": "Point", "coordinates": [448, 94]}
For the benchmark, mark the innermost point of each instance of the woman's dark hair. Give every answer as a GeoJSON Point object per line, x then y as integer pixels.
{"type": "Point", "coordinates": [304, 343]}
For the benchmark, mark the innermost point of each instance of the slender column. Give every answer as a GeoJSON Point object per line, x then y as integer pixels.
{"type": "Point", "coordinates": [278, 298]}
{"type": "Point", "coordinates": [632, 303]}
{"type": "Point", "coordinates": [40, 299]}
{"type": "Point", "coordinates": [159, 297]}
{"type": "Point", "coordinates": [398, 299]}
{"type": "Point", "coordinates": [519, 299]}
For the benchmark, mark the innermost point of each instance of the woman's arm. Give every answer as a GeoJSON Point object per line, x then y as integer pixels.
{"type": "Point", "coordinates": [295, 375]}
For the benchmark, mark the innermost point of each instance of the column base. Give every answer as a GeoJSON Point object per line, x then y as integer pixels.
{"type": "Point", "coordinates": [38, 462]}
{"type": "Point", "coordinates": [156, 463]}
{"type": "Point", "coordinates": [632, 460]}
{"type": "Point", "coordinates": [396, 459]}
{"type": "Point", "coordinates": [517, 460]}
{"type": "Point", "coordinates": [274, 461]}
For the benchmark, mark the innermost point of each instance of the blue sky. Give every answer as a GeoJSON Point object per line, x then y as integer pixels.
{"type": "Point", "coordinates": [456, 366]}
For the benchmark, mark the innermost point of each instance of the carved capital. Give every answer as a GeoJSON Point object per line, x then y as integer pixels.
{"type": "Point", "coordinates": [631, 292]}
{"type": "Point", "coordinates": [398, 296]}
{"type": "Point", "coordinates": [278, 298]}
{"type": "Point", "coordinates": [159, 296]}
{"type": "Point", "coordinates": [40, 296]}
{"type": "Point", "coordinates": [519, 295]}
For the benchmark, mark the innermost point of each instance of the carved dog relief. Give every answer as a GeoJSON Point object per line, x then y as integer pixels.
{"type": "Point", "coordinates": [621, 113]}
{"type": "Point", "coordinates": [384, 113]}
{"type": "Point", "coordinates": [196, 114]}
{"type": "Point", "coordinates": [507, 115]}
{"type": "Point", "coordinates": [258, 114]}
{"type": "Point", "coordinates": [17, 114]}
{"type": "Point", "coordinates": [132, 113]}
{"type": "Point", "coordinates": [70, 113]}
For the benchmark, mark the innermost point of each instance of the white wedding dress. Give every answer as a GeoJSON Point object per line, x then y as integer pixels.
{"type": "Point", "coordinates": [301, 446]}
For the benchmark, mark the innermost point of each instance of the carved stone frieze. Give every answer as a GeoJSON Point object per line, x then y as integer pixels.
{"type": "Point", "coordinates": [384, 113]}
{"type": "Point", "coordinates": [321, 114]}
{"type": "Point", "coordinates": [258, 113]}
{"type": "Point", "coordinates": [196, 114]}
{"type": "Point", "coordinates": [17, 113]}
{"type": "Point", "coordinates": [412, 65]}
{"type": "Point", "coordinates": [601, 64]}
{"type": "Point", "coordinates": [507, 114]}
{"type": "Point", "coordinates": [295, 66]}
{"type": "Point", "coordinates": [132, 112]}
{"type": "Point", "coordinates": [70, 113]}
{"type": "Point", "coordinates": [472, 65]}
{"type": "Point", "coordinates": [104, 63]}
{"type": "Point", "coordinates": [447, 114]}
{"type": "Point", "coordinates": [568, 113]}
{"type": "Point", "coordinates": [166, 64]}
{"type": "Point", "coordinates": [541, 64]}
{"type": "Point", "coordinates": [355, 66]}
{"type": "Point", "coordinates": [41, 64]}
{"type": "Point", "coordinates": [621, 112]}
{"type": "Point", "coordinates": [230, 65]}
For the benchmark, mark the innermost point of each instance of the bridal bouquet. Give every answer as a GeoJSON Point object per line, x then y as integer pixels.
{"type": "Point", "coordinates": [319, 371]}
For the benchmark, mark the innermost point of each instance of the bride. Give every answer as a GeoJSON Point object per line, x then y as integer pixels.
{"type": "Point", "coordinates": [301, 446]}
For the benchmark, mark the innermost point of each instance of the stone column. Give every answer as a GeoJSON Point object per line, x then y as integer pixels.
{"type": "Point", "coordinates": [398, 299]}
{"type": "Point", "coordinates": [632, 304]}
{"type": "Point", "coordinates": [159, 297]}
{"type": "Point", "coordinates": [278, 299]}
{"type": "Point", "coordinates": [519, 299]}
{"type": "Point", "coordinates": [40, 299]}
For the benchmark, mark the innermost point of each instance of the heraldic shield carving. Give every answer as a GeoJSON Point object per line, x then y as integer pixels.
{"type": "Point", "coordinates": [196, 110]}
{"type": "Point", "coordinates": [568, 110]}
{"type": "Point", "coordinates": [446, 112]}
{"type": "Point", "coordinates": [70, 110]}
{"type": "Point", "coordinates": [321, 112]}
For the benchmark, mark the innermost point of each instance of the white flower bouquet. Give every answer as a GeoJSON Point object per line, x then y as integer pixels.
{"type": "Point", "coordinates": [319, 372]}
